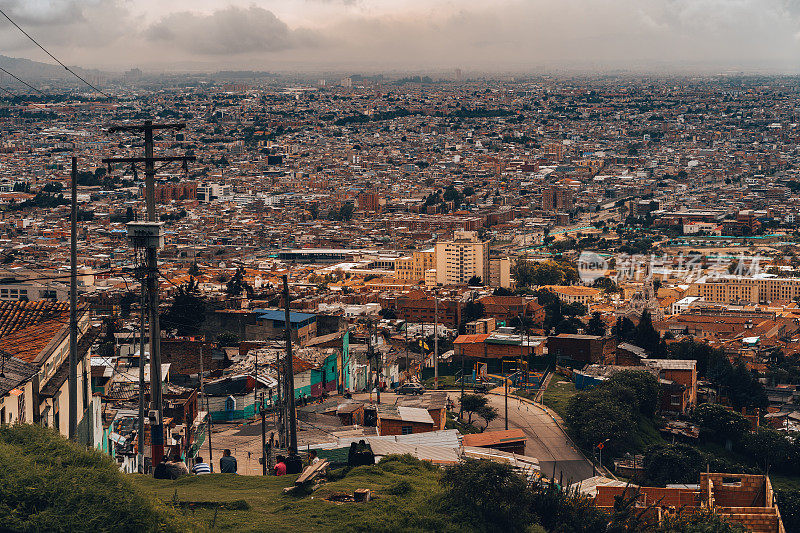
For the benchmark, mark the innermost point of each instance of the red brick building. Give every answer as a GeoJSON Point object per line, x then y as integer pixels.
{"type": "Point", "coordinates": [583, 348]}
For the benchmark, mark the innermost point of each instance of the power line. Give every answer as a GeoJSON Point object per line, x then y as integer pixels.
{"type": "Point", "coordinates": [15, 95]}
{"type": "Point", "coordinates": [25, 83]}
{"type": "Point", "coordinates": [52, 56]}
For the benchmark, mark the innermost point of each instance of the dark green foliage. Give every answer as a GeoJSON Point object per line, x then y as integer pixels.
{"type": "Point", "coordinates": [596, 325]}
{"type": "Point", "coordinates": [49, 484]}
{"type": "Point", "coordinates": [125, 303]}
{"type": "Point", "coordinates": [767, 448]}
{"type": "Point", "coordinates": [720, 424]}
{"type": "Point", "coordinates": [228, 338]}
{"type": "Point", "coordinates": [624, 329]}
{"type": "Point", "coordinates": [789, 504]}
{"type": "Point", "coordinates": [531, 273]}
{"type": "Point", "coordinates": [672, 463]}
{"type": "Point", "coordinates": [645, 335]}
{"type": "Point", "coordinates": [734, 380]}
{"type": "Point", "coordinates": [574, 309]}
{"type": "Point", "coordinates": [41, 199]}
{"type": "Point", "coordinates": [472, 404]}
{"type": "Point", "coordinates": [488, 414]}
{"type": "Point", "coordinates": [486, 495]}
{"type": "Point", "coordinates": [644, 386]}
{"type": "Point", "coordinates": [611, 412]}
{"type": "Point", "coordinates": [187, 312]}
{"type": "Point", "coordinates": [237, 284]}
{"type": "Point", "coordinates": [475, 281]}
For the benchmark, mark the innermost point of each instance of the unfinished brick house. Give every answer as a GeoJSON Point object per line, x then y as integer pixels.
{"type": "Point", "coordinates": [747, 499]}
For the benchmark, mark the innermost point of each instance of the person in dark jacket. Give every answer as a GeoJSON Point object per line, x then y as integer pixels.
{"type": "Point", "coordinates": [227, 463]}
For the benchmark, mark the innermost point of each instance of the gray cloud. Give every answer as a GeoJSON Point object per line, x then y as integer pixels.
{"type": "Point", "coordinates": [409, 34]}
{"type": "Point", "coordinates": [229, 31]}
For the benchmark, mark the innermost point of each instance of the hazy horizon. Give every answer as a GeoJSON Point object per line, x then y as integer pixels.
{"type": "Point", "coordinates": [512, 36]}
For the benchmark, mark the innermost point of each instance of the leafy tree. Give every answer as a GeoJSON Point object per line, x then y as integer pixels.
{"type": "Point", "coordinates": [488, 414]}
{"type": "Point", "coordinates": [574, 309]}
{"type": "Point", "coordinates": [486, 495]}
{"type": "Point", "coordinates": [475, 281]}
{"type": "Point", "coordinates": [624, 329]}
{"type": "Point", "coordinates": [767, 448]}
{"type": "Point", "coordinates": [228, 338]}
{"type": "Point", "coordinates": [645, 335]}
{"type": "Point", "coordinates": [194, 269]}
{"type": "Point", "coordinates": [645, 387]}
{"type": "Point", "coordinates": [388, 313]}
{"type": "Point", "coordinates": [720, 424]}
{"type": "Point", "coordinates": [612, 411]}
{"type": "Point", "coordinates": [473, 310]}
{"type": "Point", "coordinates": [528, 273]}
{"type": "Point", "coordinates": [188, 310]}
{"type": "Point", "coordinates": [238, 284]}
{"type": "Point", "coordinates": [672, 463]}
{"type": "Point", "coordinates": [568, 326]}
{"type": "Point", "coordinates": [606, 284]}
{"type": "Point", "coordinates": [502, 291]}
{"type": "Point", "coordinates": [346, 211]}
{"type": "Point", "coordinates": [596, 325]}
{"type": "Point", "coordinates": [472, 404]}
{"type": "Point", "coordinates": [126, 302]}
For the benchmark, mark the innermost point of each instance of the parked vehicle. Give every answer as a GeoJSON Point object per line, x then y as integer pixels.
{"type": "Point", "coordinates": [410, 388]}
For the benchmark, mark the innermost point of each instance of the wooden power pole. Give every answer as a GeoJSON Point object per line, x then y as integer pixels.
{"type": "Point", "coordinates": [73, 307]}
{"type": "Point", "coordinates": [148, 236]}
{"type": "Point", "coordinates": [289, 369]}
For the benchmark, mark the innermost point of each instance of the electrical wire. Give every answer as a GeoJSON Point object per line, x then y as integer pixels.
{"type": "Point", "coordinates": [52, 56]}
{"type": "Point", "coordinates": [25, 83]}
{"type": "Point", "coordinates": [15, 95]}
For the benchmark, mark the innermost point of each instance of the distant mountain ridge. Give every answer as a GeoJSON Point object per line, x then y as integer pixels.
{"type": "Point", "coordinates": [27, 69]}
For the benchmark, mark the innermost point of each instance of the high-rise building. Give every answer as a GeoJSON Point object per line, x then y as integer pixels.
{"type": "Point", "coordinates": [557, 199]}
{"type": "Point", "coordinates": [369, 201]}
{"type": "Point", "coordinates": [460, 259]}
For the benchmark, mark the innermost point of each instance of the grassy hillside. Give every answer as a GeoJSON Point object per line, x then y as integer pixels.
{"type": "Point", "coordinates": [49, 484]}
{"type": "Point", "coordinates": [404, 490]}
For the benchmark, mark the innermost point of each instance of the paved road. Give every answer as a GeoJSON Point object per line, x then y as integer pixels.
{"type": "Point", "coordinates": [546, 441]}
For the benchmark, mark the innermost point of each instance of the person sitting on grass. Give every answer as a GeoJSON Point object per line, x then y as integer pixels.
{"type": "Point", "coordinates": [200, 467]}
{"type": "Point", "coordinates": [227, 463]}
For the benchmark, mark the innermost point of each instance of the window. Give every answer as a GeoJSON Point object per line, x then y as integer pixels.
{"type": "Point", "coordinates": [407, 430]}
{"type": "Point", "coordinates": [21, 408]}
{"type": "Point", "coordinates": [675, 399]}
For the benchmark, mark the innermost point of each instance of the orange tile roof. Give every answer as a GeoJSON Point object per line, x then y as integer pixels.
{"type": "Point", "coordinates": [17, 315]}
{"type": "Point", "coordinates": [493, 438]}
{"type": "Point", "coordinates": [28, 343]}
{"type": "Point", "coordinates": [470, 339]}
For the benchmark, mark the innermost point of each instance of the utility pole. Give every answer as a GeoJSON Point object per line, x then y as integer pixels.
{"type": "Point", "coordinates": [435, 339]}
{"type": "Point", "coordinates": [149, 236]}
{"type": "Point", "coordinates": [263, 441]}
{"type": "Point", "coordinates": [378, 364]}
{"type": "Point", "coordinates": [73, 307]}
{"type": "Point", "coordinates": [208, 410]}
{"type": "Point", "coordinates": [505, 381]}
{"type": "Point", "coordinates": [408, 366]}
{"type": "Point", "coordinates": [140, 434]}
{"type": "Point", "coordinates": [289, 370]}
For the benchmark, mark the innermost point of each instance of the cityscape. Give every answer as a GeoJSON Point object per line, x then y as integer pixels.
{"type": "Point", "coordinates": [295, 292]}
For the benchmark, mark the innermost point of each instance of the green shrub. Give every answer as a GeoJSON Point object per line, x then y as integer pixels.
{"type": "Point", "coordinates": [50, 484]}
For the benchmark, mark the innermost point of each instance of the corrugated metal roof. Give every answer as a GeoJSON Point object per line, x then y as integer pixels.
{"type": "Point", "coordinates": [671, 364]}
{"type": "Point", "coordinates": [436, 454]}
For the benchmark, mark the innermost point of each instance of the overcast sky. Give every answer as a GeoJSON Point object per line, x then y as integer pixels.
{"type": "Point", "coordinates": [382, 35]}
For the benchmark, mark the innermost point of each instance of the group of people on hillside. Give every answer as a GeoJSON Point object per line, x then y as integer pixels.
{"type": "Point", "coordinates": [173, 469]}
{"type": "Point", "coordinates": [290, 464]}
